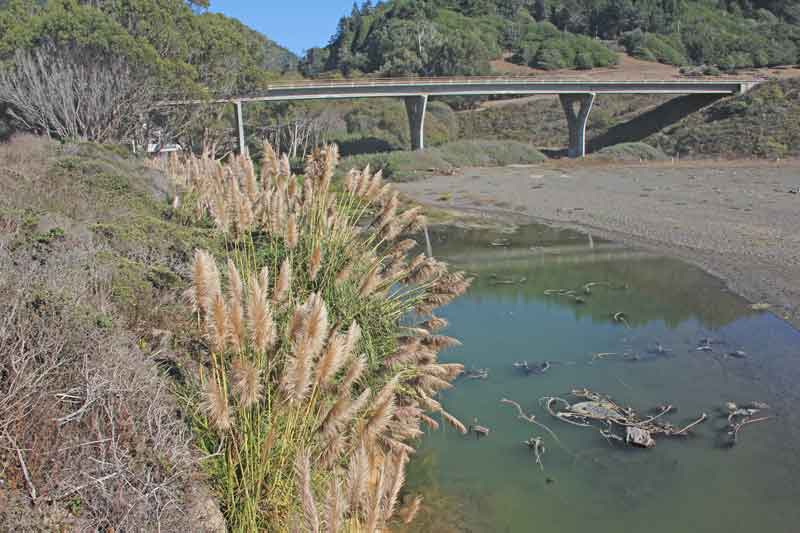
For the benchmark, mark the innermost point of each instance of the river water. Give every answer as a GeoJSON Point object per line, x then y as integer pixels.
{"type": "Point", "coordinates": [588, 485]}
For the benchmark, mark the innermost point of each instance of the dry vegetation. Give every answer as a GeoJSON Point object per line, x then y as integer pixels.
{"type": "Point", "coordinates": [89, 435]}
{"type": "Point", "coordinates": [304, 362]}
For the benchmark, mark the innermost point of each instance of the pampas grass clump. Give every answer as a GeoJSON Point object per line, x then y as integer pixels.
{"type": "Point", "coordinates": [310, 393]}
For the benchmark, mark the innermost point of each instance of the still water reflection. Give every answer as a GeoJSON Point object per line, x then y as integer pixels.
{"type": "Point", "coordinates": [493, 484]}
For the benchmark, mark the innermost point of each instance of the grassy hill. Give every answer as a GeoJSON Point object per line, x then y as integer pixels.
{"type": "Point", "coordinates": [765, 122]}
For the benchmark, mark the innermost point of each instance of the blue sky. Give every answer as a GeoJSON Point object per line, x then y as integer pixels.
{"type": "Point", "coordinates": [295, 24]}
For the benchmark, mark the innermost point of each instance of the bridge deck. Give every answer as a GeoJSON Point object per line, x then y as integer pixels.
{"type": "Point", "coordinates": [400, 87]}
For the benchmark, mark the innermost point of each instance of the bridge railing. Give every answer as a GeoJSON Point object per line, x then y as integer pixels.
{"type": "Point", "coordinates": [453, 80]}
{"type": "Point", "coordinates": [479, 80]}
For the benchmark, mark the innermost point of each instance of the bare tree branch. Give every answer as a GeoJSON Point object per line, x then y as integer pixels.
{"type": "Point", "coordinates": [74, 93]}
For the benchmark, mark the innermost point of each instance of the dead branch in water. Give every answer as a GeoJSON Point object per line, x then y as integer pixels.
{"type": "Point", "coordinates": [532, 419]}
{"type": "Point", "coordinates": [683, 431]}
{"type": "Point", "coordinates": [537, 447]}
{"type": "Point", "coordinates": [735, 428]}
{"type": "Point", "coordinates": [597, 409]}
{"type": "Point", "coordinates": [739, 417]}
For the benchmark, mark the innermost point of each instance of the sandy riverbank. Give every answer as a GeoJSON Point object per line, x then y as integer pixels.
{"type": "Point", "coordinates": [737, 220]}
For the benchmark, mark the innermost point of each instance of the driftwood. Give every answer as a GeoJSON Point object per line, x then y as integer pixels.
{"type": "Point", "coordinates": [480, 431]}
{"type": "Point", "coordinates": [707, 344]}
{"type": "Point", "coordinates": [658, 349]}
{"type": "Point", "coordinates": [621, 318]}
{"type": "Point", "coordinates": [567, 293]}
{"type": "Point", "coordinates": [536, 446]}
{"type": "Point", "coordinates": [603, 355]}
{"type": "Point", "coordinates": [536, 369]}
{"type": "Point", "coordinates": [639, 437]}
{"type": "Point", "coordinates": [737, 354]}
{"type": "Point", "coordinates": [739, 417]}
{"type": "Point", "coordinates": [587, 287]}
{"type": "Point", "coordinates": [498, 281]}
{"type": "Point", "coordinates": [600, 410]}
{"type": "Point", "coordinates": [479, 373]}
{"type": "Point", "coordinates": [532, 419]}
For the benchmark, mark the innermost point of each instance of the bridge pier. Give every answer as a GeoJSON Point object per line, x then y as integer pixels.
{"type": "Point", "coordinates": [415, 107]}
{"type": "Point", "coordinates": [240, 127]}
{"type": "Point", "coordinates": [576, 120]}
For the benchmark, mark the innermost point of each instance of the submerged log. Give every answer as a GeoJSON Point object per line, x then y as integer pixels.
{"type": "Point", "coordinates": [480, 431]}
{"type": "Point", "coordinates": [480, 373]}
{"type": "Point", "coordinates": [536, 369]}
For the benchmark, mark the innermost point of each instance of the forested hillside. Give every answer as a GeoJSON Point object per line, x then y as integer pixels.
{"type": "Point", "coordinates": [92, 70]}
{"type": "Point", "coordinates": [176, 39]}
{"type": "Point", "coordinates": [460, 37]}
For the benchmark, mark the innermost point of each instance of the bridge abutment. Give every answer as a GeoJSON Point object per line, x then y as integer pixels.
{"type": "Point", "coordinates": [415, 107]}
{"type": "Point", "coordinates": [576, 120]}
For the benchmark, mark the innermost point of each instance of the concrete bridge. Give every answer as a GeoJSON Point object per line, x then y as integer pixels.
{"type": "Point", "coordinates": [577, 96]}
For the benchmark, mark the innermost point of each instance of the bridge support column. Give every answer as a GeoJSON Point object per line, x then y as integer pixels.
{"type": "Point", "coordinates": [415, 107]}
{"type": "Point", "coordinates": [576, 121]}
{"type": "Point", "coordinates": [240, 127]}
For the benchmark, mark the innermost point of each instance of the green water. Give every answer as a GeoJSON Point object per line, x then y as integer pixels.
{"type": "Point", "coordinates": [691, 484]}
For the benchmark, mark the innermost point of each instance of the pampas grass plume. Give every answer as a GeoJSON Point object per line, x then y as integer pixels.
{"type": "Point", "coordinates": [291, 232]}
{"type": "Point", "coordinates": [332, 359]}
{"type": "Point", "coordinates": [260, 318]}
{"type": "Point", "coordinates": [218, 324]}
{"type": "Point", "coordinates": [284, 281]}
{"type": "Point", "coordinates": [357, 477]}
{"type": "Point", "coordinates": [302, 468]}
{"type": "Point", "coordinates": [371, 281]}
{"type": "Point", "coordinates": [354, 372]}
{"type": "Point", "coordinates": [215, 405]}
{"type": "Point", "coordinates": [453, 421]}
{"type": "Point", "coordinates": [315, 263]}
{"type": "Point", "coordinates": [205, 280]}
{"type": "Point", "coordinates": [246, 381]}
{"type": "Point", "coordinates": [409, 512]}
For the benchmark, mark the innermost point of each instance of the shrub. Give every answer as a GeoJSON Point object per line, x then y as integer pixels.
{"type": "Point", "coordinates": [664, 50]}
{"type": "Point", "coordinates": [584, 61]}
{"type": "Point", "coordinates": [728, 63]}
{"type": "Point", "coordinates": [489, 153]}
{"type": "Point", "coordinates": [526, 53]}
{"type": "Point", "coordinates": [550, 57]}
{"type": "Point", "coordinates": [602, 56]}
{"type": "Point", "coordinates": [760, 58]}
{"type": "Point", "coordinates": [630, 152]}
{"type": "Point", "coordinates": [653, 47]}
{"type": "Point", "coordinates": [404, 166]}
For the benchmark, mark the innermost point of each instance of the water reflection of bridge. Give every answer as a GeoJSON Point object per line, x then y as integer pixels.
{"type": "Point", "coordinates": [661, 289]}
